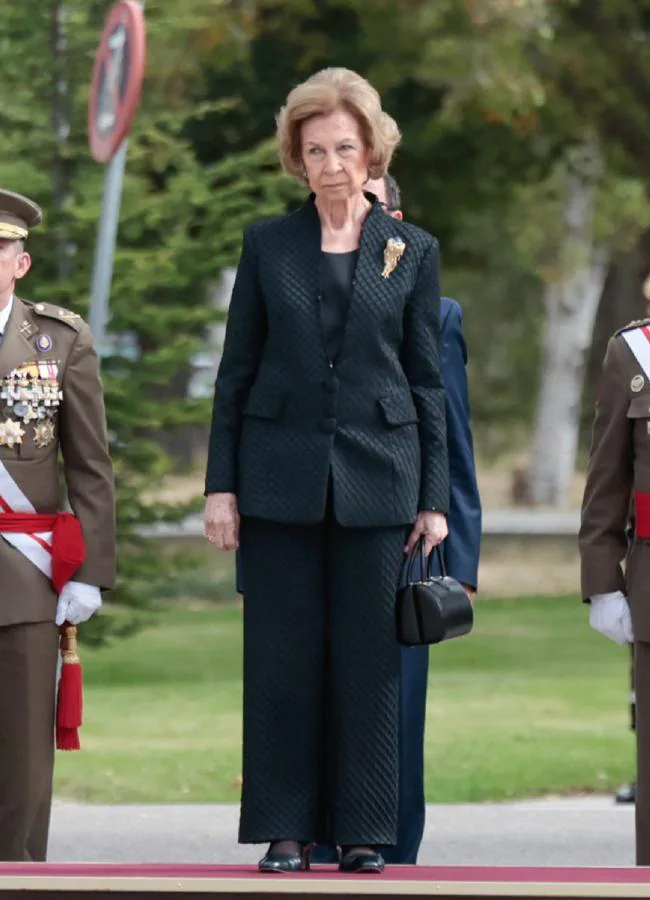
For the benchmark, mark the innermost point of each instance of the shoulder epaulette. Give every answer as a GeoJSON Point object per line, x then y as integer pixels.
{"type": "Point", "coordinates": [637, 323]}
{"type": "Point", "coordinates": [51, 311]}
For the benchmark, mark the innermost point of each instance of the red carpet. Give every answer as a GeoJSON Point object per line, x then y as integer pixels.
{"type": "Point", "coordinates": [512, 874]}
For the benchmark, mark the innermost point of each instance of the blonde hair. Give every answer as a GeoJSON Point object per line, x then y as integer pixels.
{"type": "Point", "coordinates": [323, 93]}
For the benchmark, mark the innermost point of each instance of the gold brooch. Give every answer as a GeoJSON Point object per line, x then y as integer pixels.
{"type": "Point", "coordinates": [393, 252]}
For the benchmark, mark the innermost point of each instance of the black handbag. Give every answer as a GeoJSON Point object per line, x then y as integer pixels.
{"type": "Point", "coordinates": [434, 609]}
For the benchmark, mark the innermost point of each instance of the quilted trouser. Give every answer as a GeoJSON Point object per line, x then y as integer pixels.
{"type": "Point", "coordinates": [321, 682]}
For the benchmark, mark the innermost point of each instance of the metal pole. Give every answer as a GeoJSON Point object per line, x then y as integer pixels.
{"type": "Point", "coordinates": [100, 290]}
{"type": "Point", "coordinates": [105, 249]}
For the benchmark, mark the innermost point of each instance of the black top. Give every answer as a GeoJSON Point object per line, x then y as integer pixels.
{"type": "Point", "coordinates": [337, 275]}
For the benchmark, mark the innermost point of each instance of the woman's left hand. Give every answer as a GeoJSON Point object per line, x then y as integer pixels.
{"type": "Point", "coordinates": [430, 525]}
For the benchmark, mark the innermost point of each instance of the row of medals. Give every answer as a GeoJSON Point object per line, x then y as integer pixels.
{"type": "Point", "coordinates": [28, 400]}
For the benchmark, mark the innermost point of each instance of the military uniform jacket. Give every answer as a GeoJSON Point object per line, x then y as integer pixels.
{"type": "Point", "coordinates": [46, 343]}
{"type": "Point", "coordinates": [285, 415]}
{"type": "Point", "coordinates": [619, 465]}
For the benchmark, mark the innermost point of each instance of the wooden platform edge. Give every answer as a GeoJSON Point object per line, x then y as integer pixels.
{"type": "Point", "coordinates": [363, 886]}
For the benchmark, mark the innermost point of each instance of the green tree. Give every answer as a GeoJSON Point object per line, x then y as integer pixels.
{"type": "Point", "coordinates": [181, 222]}
{"type": "Point", "coordinates": [458, 165]}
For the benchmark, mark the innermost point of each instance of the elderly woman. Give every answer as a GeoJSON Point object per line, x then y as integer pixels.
{"type": "Point", "coordinates": [327, 461]}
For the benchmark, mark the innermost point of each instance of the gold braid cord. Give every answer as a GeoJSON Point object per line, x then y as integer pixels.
{"type": "Point", "coordinates": [68, 644]}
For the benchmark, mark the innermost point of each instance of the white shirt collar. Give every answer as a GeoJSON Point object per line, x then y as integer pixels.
{"type": "Point", "coordinates": [4, 315]}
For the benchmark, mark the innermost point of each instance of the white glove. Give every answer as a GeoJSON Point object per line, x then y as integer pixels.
{"type": "Point", "coordinates": [77, 602]}
{"type": "Point", "coordinates": [610, 615]}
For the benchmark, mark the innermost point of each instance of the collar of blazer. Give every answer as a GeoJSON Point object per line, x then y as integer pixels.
{"type": "Point", "coordinates": [377, 228]}
{"type": "Point", "coordinates": [308, 209]}
{"type": "Point", "coordinates": [303, 249]}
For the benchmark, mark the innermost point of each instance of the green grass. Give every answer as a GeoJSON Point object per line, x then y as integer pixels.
{"type": "Point", "coordinates": [532, 702]}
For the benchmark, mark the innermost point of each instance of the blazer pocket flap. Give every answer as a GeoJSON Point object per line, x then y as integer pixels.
{"type": "Point", "coordinates": [263, 404]}
{"type": "Point", "coordinates": [399, 409]}
{"type": "Point", "coordinates": [639, 407]}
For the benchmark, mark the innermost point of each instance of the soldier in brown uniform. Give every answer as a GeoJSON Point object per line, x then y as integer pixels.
{"type": "Point", "coordinates": [50, 399]}
{"type": "Point", "coordinates": [619, 474]}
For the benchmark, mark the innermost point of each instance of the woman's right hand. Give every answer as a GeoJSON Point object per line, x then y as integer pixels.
{"type": "Point", "coordinates": [221, 521]}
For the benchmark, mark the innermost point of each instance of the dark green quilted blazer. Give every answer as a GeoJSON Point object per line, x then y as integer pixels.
{"type": "Point", "coordinates": [285, 416]}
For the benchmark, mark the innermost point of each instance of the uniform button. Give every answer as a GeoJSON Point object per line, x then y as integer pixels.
{"type": "Point", "coordinates": [329, 426]}
{"type": "Point", "coordinates": [39, 307]}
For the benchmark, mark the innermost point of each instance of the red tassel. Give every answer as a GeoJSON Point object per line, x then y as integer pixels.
{"type": "Point", "coordinates": [69, 707]}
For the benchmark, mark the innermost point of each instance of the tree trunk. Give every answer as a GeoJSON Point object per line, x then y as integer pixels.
{"type": "Point", "coordinates": [61, 165]}
{"type": "Point", "coordinates": [571, 302]}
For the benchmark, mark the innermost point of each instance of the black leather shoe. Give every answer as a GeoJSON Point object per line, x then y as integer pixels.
{"type": "Point", "coordinates": [278, 862]}
{"type": "Point", "coordinates": [626, 794]}
{"type": "Point", "coordinates": [361, 862]}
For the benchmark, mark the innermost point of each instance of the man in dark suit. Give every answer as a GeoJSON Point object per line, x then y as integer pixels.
{"type": "Point", "coordinates": [461, 555]}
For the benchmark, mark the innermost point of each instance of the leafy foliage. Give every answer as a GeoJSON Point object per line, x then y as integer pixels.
{"type": "Point", "coordinates": [491, 96]}
{"type": "Point", "coordinates": [181, 222]}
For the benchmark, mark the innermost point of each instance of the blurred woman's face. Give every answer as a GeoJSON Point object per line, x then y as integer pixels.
{"type": "Point", "coordinates": [335, 156]}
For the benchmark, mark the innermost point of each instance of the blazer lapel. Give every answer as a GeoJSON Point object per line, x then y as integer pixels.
{"type": "Point", "coordinates": [369, 264]}
{"type": "Point", "coordinates": [307, 261]}
{"type": "Point", "coordinates": [307, 245]}
{"type": "Point", "coordinates": [14, 349]}
{"type": "Point", "coordinates": [376, 229]}
{"type": "Point", "coordinates": [303, 255]}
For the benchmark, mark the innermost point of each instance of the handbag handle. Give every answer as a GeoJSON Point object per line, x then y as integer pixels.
{"type": "Point", "coordinates": [425, 572]}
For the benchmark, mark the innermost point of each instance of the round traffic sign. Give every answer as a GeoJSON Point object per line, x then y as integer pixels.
{"type": "Point", "coordinates": [117, 79]}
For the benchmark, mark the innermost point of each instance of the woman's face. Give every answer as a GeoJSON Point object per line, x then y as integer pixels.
{"type": "Point", "coordinates": [334, 155]}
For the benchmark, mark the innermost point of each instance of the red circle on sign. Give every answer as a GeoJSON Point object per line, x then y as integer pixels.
{"type": "Point", "coordinates": [117, 79]}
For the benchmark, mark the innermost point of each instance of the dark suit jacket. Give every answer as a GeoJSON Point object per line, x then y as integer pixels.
{"type": "Point", "coordinates": [284, 415]}
{"type": "Point", "coordinates": [462, 548]}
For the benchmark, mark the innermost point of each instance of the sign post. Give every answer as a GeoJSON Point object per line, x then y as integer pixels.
{"type": "Point", "coordinates": [115, 91]}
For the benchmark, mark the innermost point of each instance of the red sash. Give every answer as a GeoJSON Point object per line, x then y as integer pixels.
{"type": "Point", "coordinates": [55, 545]}
{"type": "Point", "coordinates": [67, 549]}
{"type": "Point", "coordinates": [642, 515]}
